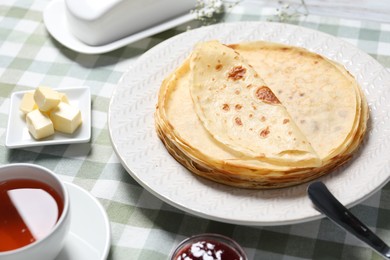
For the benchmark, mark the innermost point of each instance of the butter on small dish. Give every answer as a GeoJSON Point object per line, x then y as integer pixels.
{"type": "Point", "coordinates": [47, 111]}
{"type": "Point", "coordinates": [22, 103]}
{"type": "Point", "coordinates": [100, 22]}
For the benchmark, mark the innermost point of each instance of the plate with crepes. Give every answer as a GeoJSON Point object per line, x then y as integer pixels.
{"type": "Point", "coordinates": [302, 105]}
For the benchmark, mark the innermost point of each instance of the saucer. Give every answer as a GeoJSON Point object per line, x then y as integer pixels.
{"type": "Point", "coordinates": [17, 132]}
{"type": "Point", "coordinates": [54, 18]}
{"type": "Point", "coordinates": [89, 237]}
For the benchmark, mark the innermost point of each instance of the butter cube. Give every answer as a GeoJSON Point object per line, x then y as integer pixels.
{"type": "Point", "coordinates": [63, 97]}
{"type": "Point", "coordinates": [28, 103]}
{"type": "Point", "coordinates": [46, 98]}
{"type": "Point", "coordinates": [65, 118]}
{"type": "Point", "coordinates": [39, 124]}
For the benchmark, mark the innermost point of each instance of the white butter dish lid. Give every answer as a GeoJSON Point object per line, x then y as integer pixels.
{"type": "Point", "coordinates": [97, 23]}
{"type": "Point", "coordinates": [54, 18]}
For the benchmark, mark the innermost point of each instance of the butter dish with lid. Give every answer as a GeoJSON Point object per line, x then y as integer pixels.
{"type": "Point", "coordinates": [94, 27]}
{"type": "Point", "coordinates": [101, 22]}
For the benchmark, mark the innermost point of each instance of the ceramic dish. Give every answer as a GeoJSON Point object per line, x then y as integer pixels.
{"type": "Point", "coordinates": [89, 237]}
{"type": "Point", "coordinates": [17, 132]}
{"type": "Point", "coordinates": [132, 131]}
{"type": "Point", "coordinates": [54, 18]}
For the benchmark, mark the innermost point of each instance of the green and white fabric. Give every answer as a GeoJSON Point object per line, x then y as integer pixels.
{"type": "Point", "coordinates": [144, 227]}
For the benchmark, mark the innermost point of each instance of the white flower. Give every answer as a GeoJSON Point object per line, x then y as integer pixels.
{"type": "Point", "coordinates": [208, 8]}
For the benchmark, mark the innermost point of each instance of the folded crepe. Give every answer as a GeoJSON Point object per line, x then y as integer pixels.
{"type": "Point", "coordinates": [240, 111]}
{"type": "Point", "coordinates": [224, 114]}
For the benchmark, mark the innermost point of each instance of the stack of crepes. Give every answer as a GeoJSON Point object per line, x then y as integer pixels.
{"type": "Point", "coordinates": [260, 115]}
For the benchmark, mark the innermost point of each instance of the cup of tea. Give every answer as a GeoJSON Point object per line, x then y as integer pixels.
{"type": "Point", "coordinates": [34, 212]}
{"type": "Point", "coordinates": [208, 246]}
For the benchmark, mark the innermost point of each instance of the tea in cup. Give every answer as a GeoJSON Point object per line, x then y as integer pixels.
{"type": "Point", "coordinates": [34, 213]}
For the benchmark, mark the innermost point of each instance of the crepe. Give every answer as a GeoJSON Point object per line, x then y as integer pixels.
{"type": "Point", "coordinates": [240, 111]}
{"type": "Point", "coordinates": [187, 121]}
{"type": "Point", "coordinates": [322, 97]}
{"type": "Point", "coordinates": [190, 143]}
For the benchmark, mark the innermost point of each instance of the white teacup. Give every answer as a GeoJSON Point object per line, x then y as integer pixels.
{"type": "Point", "coordinates": [48, 246]}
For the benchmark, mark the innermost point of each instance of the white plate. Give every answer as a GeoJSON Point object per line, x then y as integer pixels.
{"type": "Point", "coordinates": [132, 131]}
{"type": "Point", "coordinates": [17, 132]}
{"type": "Point", "coordinates": [54, 18]}
{"type": "Point", "coordinates": [89, 237]}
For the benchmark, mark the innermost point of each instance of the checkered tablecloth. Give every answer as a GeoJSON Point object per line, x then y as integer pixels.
{"type": "Point", "coordinates": [144, 227]}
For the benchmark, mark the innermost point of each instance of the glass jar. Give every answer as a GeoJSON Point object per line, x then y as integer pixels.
{"type": "Point", "coordinates": [210, 247]}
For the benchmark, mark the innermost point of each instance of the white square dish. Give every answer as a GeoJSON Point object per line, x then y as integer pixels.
{"type": "Point", "coordinates": [18, 135]}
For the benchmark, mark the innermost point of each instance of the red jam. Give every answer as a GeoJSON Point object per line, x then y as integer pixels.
{"type": "Point", "coordinates": [207, 250]}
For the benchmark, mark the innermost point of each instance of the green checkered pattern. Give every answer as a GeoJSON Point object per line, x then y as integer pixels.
{"type": "Point", "coordinates": [143, 227]}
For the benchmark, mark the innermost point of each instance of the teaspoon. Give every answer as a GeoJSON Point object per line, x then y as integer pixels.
{"type": "Point", "coordinates": [327, 204]}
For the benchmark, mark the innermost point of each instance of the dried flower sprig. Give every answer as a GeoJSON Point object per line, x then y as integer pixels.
{"type": "Point", "coordinates": [287, 12]}
{"type": "Point", "coordinates": [206, 10]}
